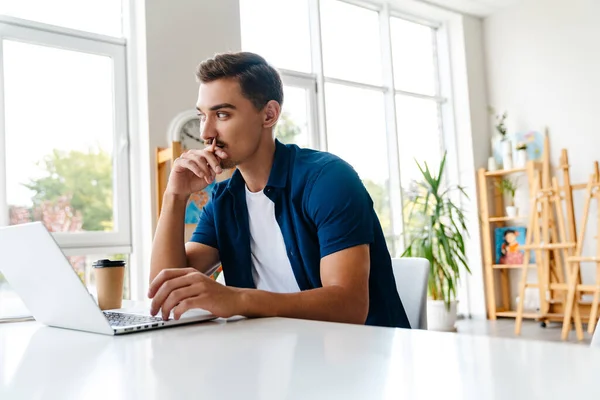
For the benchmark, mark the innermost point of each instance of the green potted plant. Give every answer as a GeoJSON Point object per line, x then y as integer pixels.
{"type": "Point", "coordinates": [508, 189]}
{"type": "Point", "coordinates": [435, 230]}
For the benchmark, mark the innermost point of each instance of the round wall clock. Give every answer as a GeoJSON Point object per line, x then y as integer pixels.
{"type": "Point", "coordinates": [185, 128]}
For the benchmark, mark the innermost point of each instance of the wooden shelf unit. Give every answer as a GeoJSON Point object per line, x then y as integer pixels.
{"type": "Point", "coordinates": [492, 210]}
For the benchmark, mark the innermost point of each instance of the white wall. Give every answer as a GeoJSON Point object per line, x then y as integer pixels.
{"type": "Point", "coordinates": [543, 58]}
{"type": "Point", "coordinates": [472, 144]}
{"type": "Point", "coordinates": [180, 34]}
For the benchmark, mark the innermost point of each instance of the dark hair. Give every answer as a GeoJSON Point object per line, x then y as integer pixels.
{"type": "Point", "coordinates": [506, 232]}
{"type": "Point", "coordinates": [259, 82]}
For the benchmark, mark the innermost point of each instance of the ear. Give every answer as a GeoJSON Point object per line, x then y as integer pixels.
{"type": "Point", "coordinates": [272, 111]}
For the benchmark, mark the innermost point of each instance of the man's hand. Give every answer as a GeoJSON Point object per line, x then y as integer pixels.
{"type": "Point", "coordinates": [181, 289]}
{"type": "Point", "coordinates": [194, 170]}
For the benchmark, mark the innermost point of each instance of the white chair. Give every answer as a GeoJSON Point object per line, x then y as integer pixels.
{"type": "Point", "coordinates": [411, 275]}
{"type": "Point", "coordinates": [221, 278]}
{"type": "Point", "coordinates": [596, 337]}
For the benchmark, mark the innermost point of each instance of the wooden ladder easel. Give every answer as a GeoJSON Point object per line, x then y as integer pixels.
{"type": "Point", "coordinates": [576, 287]}
{"type": "Point", "coordinates": [549, 245]}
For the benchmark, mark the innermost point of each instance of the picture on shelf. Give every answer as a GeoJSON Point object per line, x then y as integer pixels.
{"type": "Point", "coordinates": [507, 242]}
{"type": "Point", "coordinates": [534, 142]}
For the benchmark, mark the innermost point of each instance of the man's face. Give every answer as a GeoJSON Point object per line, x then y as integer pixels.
{"type": "Point", "coordinates": [228, 116]}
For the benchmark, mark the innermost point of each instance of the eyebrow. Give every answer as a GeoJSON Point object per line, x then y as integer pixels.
{"type": "Point", "coordinates": [219, 107]}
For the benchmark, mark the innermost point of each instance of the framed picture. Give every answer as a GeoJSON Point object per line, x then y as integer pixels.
{"type": "Point", "coordinates": [507, 240]}
{"type": "Point", "coordinates": [534, 141]}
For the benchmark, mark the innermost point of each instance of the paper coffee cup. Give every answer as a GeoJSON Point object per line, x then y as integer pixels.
{"type": "Point", "coordinates": [109, 283]}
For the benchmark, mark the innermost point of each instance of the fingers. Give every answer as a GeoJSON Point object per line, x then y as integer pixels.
{"type": "Point", "coordinates": [176, 297]}
{"type": "Point", "coordinates": [159, 283]}
{"type": "Point", "coordinates": [164, 276]}
{"type": "Point", "coordinates": [213, 148]}
{"type": "Point", "coordinates": [199, 169]}
{"type": "Point", "coordinates": [165, 290]}
{"type": "Point", "coordinates": [183, 306]}
{"type": "Point", "coordinates": [204, 157]}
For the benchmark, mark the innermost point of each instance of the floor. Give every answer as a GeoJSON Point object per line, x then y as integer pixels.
{"type": "Point", "coordinates": [531, 330]}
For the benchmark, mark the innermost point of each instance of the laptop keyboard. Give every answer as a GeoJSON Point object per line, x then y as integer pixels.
{"type": "Point", "coordinates": [121, 319]}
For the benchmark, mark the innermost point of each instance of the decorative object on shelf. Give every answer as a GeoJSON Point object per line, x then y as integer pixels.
{"type": "Point", "coordinates": [534, 142]}
{"type": "Point", "coordinates": [507, 157]}
{"type": "Point", "coordinates": [521, 155]}
{"type": "Point", "coordinates": [492, 165]}
{"type": "Point", "coordinates": [508, 188]}
{"type": "Point", "coordinates": [499, 140]}
{"type": "Point", "coordinates": [507, 241]}
{"type": "Point", "coordinates": [435, 230]}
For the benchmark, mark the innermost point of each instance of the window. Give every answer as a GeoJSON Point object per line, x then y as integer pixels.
{"type": "Point", "coordinates": [373, 76]}
{"type": "Point", "coordinates": [97, 16]}
{"type": "Point", "coordinates": [289, 48]}
{"type": "Point", "coordinates": [294, 121]}
{"type": "Point", "coordinates": [63, 130]}
{"type": "Point", "coordinates": [351, 42]}
{"type": "Point", "coordinates": [360, 140]}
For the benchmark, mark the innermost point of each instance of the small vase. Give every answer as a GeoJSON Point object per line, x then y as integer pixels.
{"type": "Point", "coordinates": [521, 158]}
{"type": "Point", "coordinates": [512, 211]}
{"type": "Point", "coordinates": [507, 158]}
{"type": "Point", "coordinates": [492, 166]}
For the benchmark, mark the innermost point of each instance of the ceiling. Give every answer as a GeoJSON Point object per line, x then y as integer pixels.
{"type": "Point", "coordinates": [482, 8]}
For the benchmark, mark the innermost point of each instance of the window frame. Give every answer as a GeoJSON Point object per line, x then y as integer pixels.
{"type": "Point", "coordinates": [37, 33]}
{"type": "Point", "coordinates": [308, 83]}
{"type": "Point", "coordinates": [442, 96]}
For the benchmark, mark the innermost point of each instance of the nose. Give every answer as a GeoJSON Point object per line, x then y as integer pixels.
{"type": "Point", "coordinates": [207, 131]}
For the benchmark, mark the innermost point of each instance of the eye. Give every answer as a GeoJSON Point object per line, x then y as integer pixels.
{"type": "Point", "coordinates": [221, 114]}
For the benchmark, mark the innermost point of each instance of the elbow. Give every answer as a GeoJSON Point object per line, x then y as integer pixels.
{"type": "Point", "coordinates": [357, 310]}
{"type": "Point", "coordinates": [360, 315]}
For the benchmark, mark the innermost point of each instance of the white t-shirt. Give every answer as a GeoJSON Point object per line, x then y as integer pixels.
{"type": "Point", "coordinates": [271, 268]}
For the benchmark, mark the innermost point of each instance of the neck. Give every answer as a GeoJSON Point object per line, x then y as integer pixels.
{"type": "Point", "coordinates": [256, 169]}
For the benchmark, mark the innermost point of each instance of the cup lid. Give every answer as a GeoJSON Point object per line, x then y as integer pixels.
{"type": "Point", "coordinates": [108, 263]}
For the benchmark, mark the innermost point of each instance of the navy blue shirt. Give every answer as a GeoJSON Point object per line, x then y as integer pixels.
{"type": "Point", "coordinates": [322, 207]}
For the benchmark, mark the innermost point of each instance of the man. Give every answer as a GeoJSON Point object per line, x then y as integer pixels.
{"type": "Point", "coordinates": [294, 229]}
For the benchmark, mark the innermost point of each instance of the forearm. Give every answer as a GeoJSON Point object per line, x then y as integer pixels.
{"type": "Point", "coordinates": [331, 303]}
{"type": "Point", "coordinates": [168, 248]}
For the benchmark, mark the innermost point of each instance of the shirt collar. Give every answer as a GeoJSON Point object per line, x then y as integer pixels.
{"type": "Point", "coordinates": [279, 170]}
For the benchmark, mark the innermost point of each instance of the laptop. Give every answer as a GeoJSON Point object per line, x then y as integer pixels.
{"type": "Point", "coordinates": [38, 271]}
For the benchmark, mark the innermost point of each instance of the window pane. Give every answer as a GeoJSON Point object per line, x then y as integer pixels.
{"type": "Point", "coordinates": [12, 306]}
{"type": "Point", "coordinates": [413, 57]}
{"type": "Point", "coordinates": [351, 42]}
{"type": "Point", "coordinates": [419, 136]}
{"type": "Point", "coordinates": [59, 137]}
{"type": "Point", "coordinates": [277, 30]}
{"type": "Point", "coordinates": [360, 139]}
{"type": "Point", "coordinates": [97, 16]}
{"type": "Point", "coordinates": [292, 127]}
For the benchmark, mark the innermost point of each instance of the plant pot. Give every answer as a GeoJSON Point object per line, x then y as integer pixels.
{"type": "Point", "coordinates": [439, 318]}
{"type": "Point", "coordinates": [512, 211]}
{"type": "Point", "coordinates": [521, 158]}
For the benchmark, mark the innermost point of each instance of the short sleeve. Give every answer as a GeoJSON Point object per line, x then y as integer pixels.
{"type": "Point", "coordinates": [341, 208]}
{"type": "Point", "coordinates": [205, 232]}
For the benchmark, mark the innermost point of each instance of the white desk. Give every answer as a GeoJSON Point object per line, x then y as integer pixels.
{"type": "Point", "coordinates": [288, 359]}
